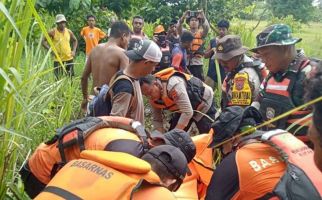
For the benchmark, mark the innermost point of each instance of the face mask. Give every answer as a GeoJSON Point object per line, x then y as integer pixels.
{"type": "Point", "coordinates": [162, 40]}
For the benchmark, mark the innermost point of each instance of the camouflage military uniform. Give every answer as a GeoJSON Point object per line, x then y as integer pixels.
{"type": "Point", "coordinates": [283, 91]}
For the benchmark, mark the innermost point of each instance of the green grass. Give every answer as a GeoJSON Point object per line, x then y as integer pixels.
{"type": "Point", "coordinates": [33, 104]}
{"type": "Point", "coordinates": [310, 34]}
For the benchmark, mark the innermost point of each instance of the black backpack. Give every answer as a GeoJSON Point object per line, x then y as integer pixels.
{"type": "Point", "coordinates": [295, 184]}
{"type": "Point", "coordinates": [101, 104]}
{"type": "Point", "coordinates": [77, 131]}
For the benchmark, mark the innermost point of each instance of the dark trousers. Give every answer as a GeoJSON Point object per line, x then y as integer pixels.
{"type": "Point", "coordinates": [32, 185]}
{"type": "Point", "coordinates": [212, 73]}
{"type": "Point", "coordinates": [197, 71]}
{"type": "Point", "coordinates": [203, 125]}
{"type": "Point", "coordinates": [69, 66]}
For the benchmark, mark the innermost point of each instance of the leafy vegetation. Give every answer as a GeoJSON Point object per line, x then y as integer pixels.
{"type": "Point", "coordinates": [301, 10]}
{"type": "Point", "coordinates": [33, 104]}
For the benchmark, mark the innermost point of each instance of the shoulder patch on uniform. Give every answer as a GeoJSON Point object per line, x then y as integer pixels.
{"type": "Point", "coordinates": [173, 94]}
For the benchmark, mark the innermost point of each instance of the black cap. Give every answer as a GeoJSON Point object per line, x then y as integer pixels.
{"type": "Point", "coordinates": [181, 140]}
{"type": "Point", "coordinates": [172, 158]}
{"type": "Point", "coordinates": [231, 119]}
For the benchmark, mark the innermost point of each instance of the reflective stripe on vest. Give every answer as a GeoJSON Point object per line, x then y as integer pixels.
{"type": "Point", "coordinates": [277, 99]}
{"type": "Point", "coordinates": [279, 88]}
{"type": "Point", "coordinates": [103, 175]}
{"type": "Point", "coordinates": [62, 193]}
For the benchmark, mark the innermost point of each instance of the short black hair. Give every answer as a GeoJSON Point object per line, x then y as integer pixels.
{"type": "Point", "coordinates": [173, 22]}
{"type": "Point", "coordinates": [223, 24]}
{"type": "Point", "coordinates": [148, 79]}
{"type": "Point", "coordinates": [119, 28]}
{"type": "Point", "coordinates": [186, 36]}
{"type": "Point", "coordinates": [137, 17]}
{"type": "Point", "coordinates": [90, 16]}
{"type": "Point", "coordinates": [313, 90]}
{"type": "Point", "coordinates": [189, 19]}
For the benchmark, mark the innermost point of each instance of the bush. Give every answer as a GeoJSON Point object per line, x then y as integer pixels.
{"type": "Point", "coordinates": [295, 25]}
{"type": "Point", "coordinates": [240, 28]}
{"type": "Point", "coordinates": [317, 15]}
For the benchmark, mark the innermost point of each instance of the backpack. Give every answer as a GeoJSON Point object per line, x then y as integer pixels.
{"type": "Point", "coordinates": [101, 104]}
{"type": "Point", "coordinates": [259, 68]}
{"type": "Point", "coordinates": [195, 87]}
{"type": "Point", "coordinates": [301, 179]}
{"type": "Point", "coordinates": [77, 131]}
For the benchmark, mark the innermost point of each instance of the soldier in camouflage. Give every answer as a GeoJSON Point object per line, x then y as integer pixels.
{"type": "Point", "coordinates": [282, 89]}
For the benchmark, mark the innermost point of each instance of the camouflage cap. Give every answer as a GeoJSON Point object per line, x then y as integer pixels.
{"type": "Point", "coordinates": [275, 35]}
{"type": "Point", "coordinates": [228, 47]}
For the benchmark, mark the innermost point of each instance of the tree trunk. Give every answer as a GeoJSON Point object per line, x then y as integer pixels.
{"type": "Point", "coordinates": [203, 6]}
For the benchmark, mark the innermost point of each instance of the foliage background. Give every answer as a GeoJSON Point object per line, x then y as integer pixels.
{"type": "Point", "coordinates": [33, 104]}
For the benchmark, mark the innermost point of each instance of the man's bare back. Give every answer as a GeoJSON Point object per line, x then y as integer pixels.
{"type": "Point", "coordinates": [104, 61]}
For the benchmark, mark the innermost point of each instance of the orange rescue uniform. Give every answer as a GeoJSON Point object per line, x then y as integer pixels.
{"type": "Point", "coordinates": [195, 185]}
{"type": "Point", "coordinates": [105, 175]}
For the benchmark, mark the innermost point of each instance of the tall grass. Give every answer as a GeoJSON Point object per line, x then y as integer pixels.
{"type": "Point", "coordinates": [32, 102]}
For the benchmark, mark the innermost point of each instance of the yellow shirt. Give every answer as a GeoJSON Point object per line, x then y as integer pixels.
{"type": "Point", "coordinates": [62, 44]}
{"type": "Point", "coordinates": [92, 36]}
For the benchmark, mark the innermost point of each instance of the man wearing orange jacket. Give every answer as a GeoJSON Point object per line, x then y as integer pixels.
{"type": "Point", "coordinates": [187, 97]}
{"type": "Point", "coordinates": [195, 184]}
{"type": "Point", "coordinates": [262, 165]}
{"type": "Point", "coordinates": [115, 175]}
{"type": "Point", "coordinates": [106, 133]}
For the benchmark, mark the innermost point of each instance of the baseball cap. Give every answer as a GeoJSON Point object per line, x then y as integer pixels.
{"type": "Point", "coordinates": [181, 140]}
{"type": "Point", "coordinates": [60, 18]}
{"type": "Point", "coordinates": [231, 120]}
{"type": "Point", "coordinates": [275, 35]}
{"type": "Point", "coordinates": [145, 49]}
{"type": "Point", "coordinates": [228, 47]}
{"type": "Point", "coordinates": [172, 158]}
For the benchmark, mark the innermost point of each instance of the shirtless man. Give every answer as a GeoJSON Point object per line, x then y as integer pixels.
{"type": "Point", "coordinates": [106, 59]}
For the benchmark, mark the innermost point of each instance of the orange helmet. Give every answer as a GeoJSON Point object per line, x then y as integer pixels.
{"type": "Point", "coordinates": [159, 29]}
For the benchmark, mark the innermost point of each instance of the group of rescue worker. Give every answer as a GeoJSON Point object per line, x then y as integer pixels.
{"type": "Point", "coordinates": [111, 155]}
